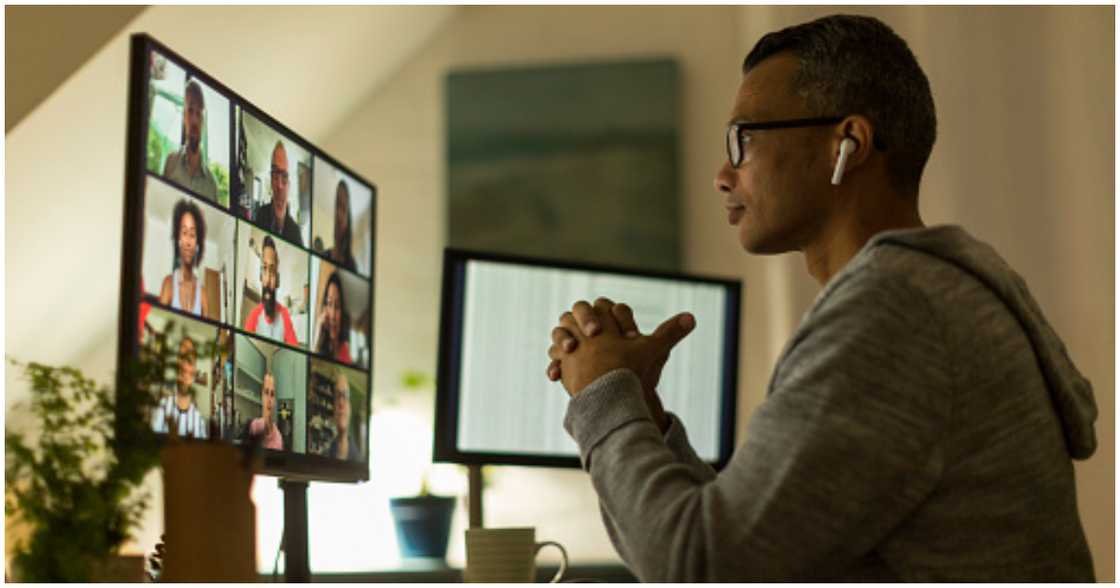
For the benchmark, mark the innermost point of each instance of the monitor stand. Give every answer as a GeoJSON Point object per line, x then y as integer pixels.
{"type": "Point", "coordinates": [474, 496]}
{"type": "Point", "coordinates": [294, 542]}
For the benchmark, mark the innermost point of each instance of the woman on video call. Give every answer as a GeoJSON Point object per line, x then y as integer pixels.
{"type": "Point", "coordinates": [341, 254]}
{"type": "Point", "coordinates": [332, 322]}
{"type": "Point", "coordinates": [182, 290]}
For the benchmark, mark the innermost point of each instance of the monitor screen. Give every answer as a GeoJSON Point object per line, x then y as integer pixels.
{"type": "Point", "coordinates": [248, 257]}
{"type": "Point", "coordinates": [494, 403]}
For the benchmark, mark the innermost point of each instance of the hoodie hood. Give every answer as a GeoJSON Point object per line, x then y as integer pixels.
{"type": "Point", "coordinates": [1070, 392]}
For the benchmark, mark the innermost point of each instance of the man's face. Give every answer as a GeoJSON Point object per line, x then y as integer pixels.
{"type": "Point", "coordinates": [270, 277]}
{"type": "Point", "coordinates": [188, 240]}
{"type": "Point", "coordinates": [342, 404]}
{"type": "Point", "coordinates": [778, 196]}
{"type": "Point", "coordinates": [186, 365]}
{"type": "Point", "coordinates": [268, 396]}
{"type": "Point", "coordinates": [192, 118]}
{"type": "Point", "coordinates": [279, 182]}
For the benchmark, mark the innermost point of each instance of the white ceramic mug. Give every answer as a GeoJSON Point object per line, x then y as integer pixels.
{"type": "Point", "coordinates": [506, 555]}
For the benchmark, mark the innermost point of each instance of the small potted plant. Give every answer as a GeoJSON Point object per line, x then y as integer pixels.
{"type": "Point", "coordinates": [423, 521]}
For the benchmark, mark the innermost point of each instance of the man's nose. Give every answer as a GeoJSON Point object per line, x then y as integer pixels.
{"type": "Point", "coordinates": [725, 178]}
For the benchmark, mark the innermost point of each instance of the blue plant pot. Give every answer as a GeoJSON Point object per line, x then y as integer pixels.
{"type": "Point", "coordinates": [423, 525]}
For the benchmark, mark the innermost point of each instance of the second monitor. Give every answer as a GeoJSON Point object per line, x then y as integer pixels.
{"type": "Point", "coordinates": [494, 404]}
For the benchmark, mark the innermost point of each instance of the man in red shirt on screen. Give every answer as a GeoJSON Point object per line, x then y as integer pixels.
{"type": "Point", "coordinates": [270, 318]}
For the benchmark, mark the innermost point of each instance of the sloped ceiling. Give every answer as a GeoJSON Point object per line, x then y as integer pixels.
{"type": "Point", "coordinates": [34, 56]}
{"type": "Point", "coordinates": [309, 67]}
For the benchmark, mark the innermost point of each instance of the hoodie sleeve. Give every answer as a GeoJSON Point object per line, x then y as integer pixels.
{"type": "Point", "coordinates": [845, 446]}
{"type": "Point", "coordinates": [677, 440]}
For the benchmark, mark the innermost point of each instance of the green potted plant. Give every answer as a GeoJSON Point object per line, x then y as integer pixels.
{"type": "Point", "coordinates": [73, 480]}
{"type": "Point", "coordinates": [423, 521]}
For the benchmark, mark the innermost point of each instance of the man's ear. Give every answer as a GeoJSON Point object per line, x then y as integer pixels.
{"type": "Point", "coordinates": [857, 129]}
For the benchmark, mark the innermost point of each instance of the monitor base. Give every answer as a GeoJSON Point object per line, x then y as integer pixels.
{"type": "Point", "coordinates": [294, 542]}
{"type": "Point", "coordinates": [474, 495]}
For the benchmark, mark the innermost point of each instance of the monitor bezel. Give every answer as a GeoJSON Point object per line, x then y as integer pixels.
{"type": "Point", "coordinates": [445, 449]}
{"type": "Point", "coordinates": [288, 465]}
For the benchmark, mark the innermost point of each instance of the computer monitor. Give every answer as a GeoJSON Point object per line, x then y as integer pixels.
{"type": "Point", "coordinates": [248, 251]}
{"type": "Point", "coordinates": [494, 404]}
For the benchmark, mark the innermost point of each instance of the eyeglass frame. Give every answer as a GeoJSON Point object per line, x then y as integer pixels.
{"type": "Point", "coordinates": [735, 130]}
{"type": "Point", "coordinates": [281, 174]}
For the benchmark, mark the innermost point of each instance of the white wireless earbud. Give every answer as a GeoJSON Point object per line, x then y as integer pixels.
{"type": "Point", "coordinates": [846, 147]}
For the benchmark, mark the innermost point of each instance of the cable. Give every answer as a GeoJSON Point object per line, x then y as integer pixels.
{"type": "Point", "coordinates": [279, 548]}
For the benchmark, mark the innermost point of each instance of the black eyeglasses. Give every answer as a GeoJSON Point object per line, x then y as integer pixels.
{"type": "Point", "coordinates": [735, 147]}
{"type": "Point", "coordinates": [280, 175]}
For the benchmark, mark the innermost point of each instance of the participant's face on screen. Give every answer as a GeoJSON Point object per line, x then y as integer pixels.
{"type": "Point", "coordinates": [268, 397]}
{"type": "Point", "coordinates": [279, 182]}
{"type": "Point", "coordinates": [334, 311]}
{"type": "Point", "coordinates": [342, 404]}
{"type": "Point", "coordinates": [186, 365]}
{"type": "Point", "coordinates": [270, 276]}
{"type": "Point", "coordinates": [192, 117]}
{"type": "Point", "coordinates": [188, 239]}
{"type": "Point", "coordinates": [341, 212]}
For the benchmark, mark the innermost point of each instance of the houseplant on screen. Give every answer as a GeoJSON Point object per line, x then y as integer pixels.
{"type": "Point", "coordinates": [72, 479]}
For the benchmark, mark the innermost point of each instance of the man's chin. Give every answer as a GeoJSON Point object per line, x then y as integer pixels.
{"type": "Point", "coordinates": [760, 245]}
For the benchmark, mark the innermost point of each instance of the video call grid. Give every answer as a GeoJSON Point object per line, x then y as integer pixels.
{"type": "Point", "coordinates": [232, 325]}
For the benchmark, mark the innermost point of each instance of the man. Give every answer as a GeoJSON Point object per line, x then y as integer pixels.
{"type": "Point", "coordinates": [264, 427]}
{"type": "Point", "coordinates": [920, 423]}
{"type": "Point", "coordinates": [270, 318]}
{"type": "Point", "coordinates": [178, 412]}
{"type": "Point", "coordinates": [345, 444]}
{"type": "Point", "coordinates": [274, 216]}
{"type": "Point", "coordinates": [186, 166]}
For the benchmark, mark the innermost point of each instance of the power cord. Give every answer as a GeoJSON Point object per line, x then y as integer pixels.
{"type": "Point", "coordinates": [279, 548]}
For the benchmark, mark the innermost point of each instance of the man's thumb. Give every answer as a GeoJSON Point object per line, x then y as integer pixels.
{"type": "Point", "coordinates": [670, 332]}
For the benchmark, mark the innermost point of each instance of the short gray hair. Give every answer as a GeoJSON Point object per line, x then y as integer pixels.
{"type": "Point", "coordinates": [858, 65]}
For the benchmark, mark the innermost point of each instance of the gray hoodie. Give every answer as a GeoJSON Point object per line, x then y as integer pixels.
{"type": "Point", "coordinates": [919, 425]}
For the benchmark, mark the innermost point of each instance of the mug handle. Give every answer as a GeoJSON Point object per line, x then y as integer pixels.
{"type": "Point", "coordinates": [563, 558]}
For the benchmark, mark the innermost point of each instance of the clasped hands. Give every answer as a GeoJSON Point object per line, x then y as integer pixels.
{"type": "Point", "coordinates": [594, 339]}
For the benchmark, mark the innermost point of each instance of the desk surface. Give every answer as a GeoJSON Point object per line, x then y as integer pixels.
{"type": "Point", "coordinates": [433, 572]}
